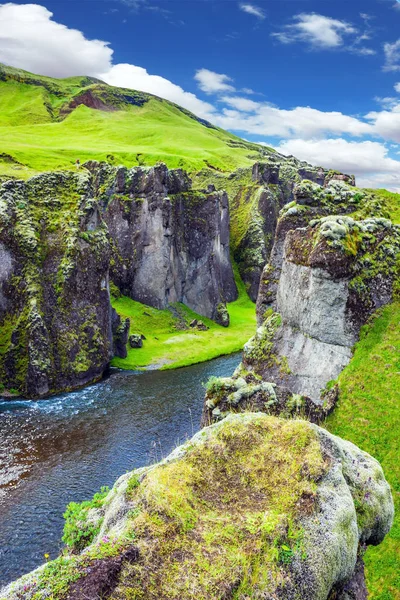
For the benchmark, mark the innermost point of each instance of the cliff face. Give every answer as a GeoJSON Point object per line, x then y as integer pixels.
{"type": "Point", "coordinates": [256, 197]}
{"type": "Point", "coordinates": [228, 515]}
{"type": "Point", "coordinates": [64, 236]}
{"type": "Point", "coordinates": [170, 243]}
{"type": "Point", "coordinates": [326, 276]}
{"type": "Point", "coordinates": [57, 323]}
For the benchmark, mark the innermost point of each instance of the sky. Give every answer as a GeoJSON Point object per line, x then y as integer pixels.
{"type": "Point", "coordinates": [316, 79]}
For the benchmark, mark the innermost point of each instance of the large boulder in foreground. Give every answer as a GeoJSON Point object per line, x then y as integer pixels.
{"type": "Point", "coordinates": [252, 507]}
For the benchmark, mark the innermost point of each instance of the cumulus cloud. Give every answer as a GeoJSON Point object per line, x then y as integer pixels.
{"type": "Point", "coordinates": [251, 9]}
{"type": "Point", "coordinates": [211, 82]}
{"type": "Point", "coordinates": [326, 33]}
{"type": "Point", "coordinates": [242, 104]}
{"type": "Point", "coordinates": [369, 161]}
{"type": "Point", "coordinates": [31, 40]}
{"type": "Point", "coordinates": [316, 30]}
{"type": "Point", "coordinates": [131, 76]}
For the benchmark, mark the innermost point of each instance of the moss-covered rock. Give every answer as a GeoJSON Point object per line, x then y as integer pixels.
{"type": "Point", "coordinates": [253, 506]}
{"type": "Point", "coordinates": [55, 316]}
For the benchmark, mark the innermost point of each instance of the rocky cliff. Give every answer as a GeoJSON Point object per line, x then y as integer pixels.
{"type": "Point", "coordinates": [57, 324]}
{"type": "Point", "coordinates": [326, 276]}
{"type": "Point", "coordinates": [256, 196]}
{"type": "Point", "coordinates": [252, 507]}
{"type": "Point", "coordinates": [170, 243]}
{"type": "Point", "coordinates": [64, 236]}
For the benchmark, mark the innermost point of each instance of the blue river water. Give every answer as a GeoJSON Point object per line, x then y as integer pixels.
{"type": "Point", "coordinates": [66, 447]}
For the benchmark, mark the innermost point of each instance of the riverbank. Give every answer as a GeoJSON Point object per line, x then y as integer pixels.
{"type": "Point", "coordinates": [169, 346]}
{"type": "Point", "coordinates": [368, 415]}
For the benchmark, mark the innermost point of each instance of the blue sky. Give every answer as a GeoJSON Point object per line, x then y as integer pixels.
{"type": "Point", "coordinates": [320, 80]}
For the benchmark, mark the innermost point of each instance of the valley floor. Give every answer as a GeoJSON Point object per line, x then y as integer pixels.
{"type": "Point", "coordinates": [169, 346]}
{"type": "Point", "coordinates": [368, 415]}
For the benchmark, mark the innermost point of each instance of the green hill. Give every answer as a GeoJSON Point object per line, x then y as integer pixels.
{"type": "Point", "coordinates": [47, 124]}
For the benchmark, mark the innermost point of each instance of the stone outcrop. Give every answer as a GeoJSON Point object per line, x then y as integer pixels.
{"type": "Point", "coordinates": [227, 515]}
{"type": "Point", "coordinates": [257, 195]}
{"type": "Point", "coordinates": [170, 243]}
{"type": "Point", "coordinates": [335, 273]}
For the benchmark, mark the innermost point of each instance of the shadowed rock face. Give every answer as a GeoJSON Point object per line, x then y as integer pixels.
{"type": "Point", "coordinates": [257, 195]}
{"type": "Point", "coordinates": [228, 515]}
{"type": "Point", "coordinates": [170, 244]}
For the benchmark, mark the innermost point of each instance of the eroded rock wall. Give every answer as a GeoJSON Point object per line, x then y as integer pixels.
{"type": "Point", "coordinates": [57, 324]}
{"type": "Point", "coordinates": [327, 275]}
{"type": "Point", "coordinates": [65, 236]}
{"type": "Point", "coordinates": [170, 243]}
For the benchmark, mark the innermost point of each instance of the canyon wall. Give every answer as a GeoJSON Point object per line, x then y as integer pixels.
{"type": "Point", "coordinates": [65, 236]}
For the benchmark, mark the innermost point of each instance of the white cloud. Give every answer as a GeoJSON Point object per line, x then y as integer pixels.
{"type": "Point", "coordinates": [386, 123]}
{"type": "Point", "coordinates": [368, 160]}
{"type": "Point", "coordinates": [31, 40]}
{"type": "Point", "coordinates": [301, 121]}
{"type": "Point", "coordinates": [242, 104]}
{"type": "Point", "coordinates": [251, 9]}
{"type": "Point", "coordinates": [392, 56]}
{"type": "Point", "coordinates": [397, 87]}
{"type": "Point", "coordinates": [316, 30]}
{"type": "Point", "coordinates": [211, 82]}
{"type": "Point", "coordinates": [131, 76]}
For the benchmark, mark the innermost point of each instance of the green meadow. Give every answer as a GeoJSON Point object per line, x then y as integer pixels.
{"type": "Point", "coordinates": [167, 346]}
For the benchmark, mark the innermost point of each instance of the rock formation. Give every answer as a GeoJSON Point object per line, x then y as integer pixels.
{"type": "Point", "coordinates": [228, 515]}
{"type": "Point", "coordinates": [257, 195]}
{"type": "Point", "coordinates": [170, 243]}
{"type": "Point", "coordinates": [58, 330]}
{"type": "Point", "coordinates": [64, 235]}
{"type": "Point", "coordinates": [326, 276]}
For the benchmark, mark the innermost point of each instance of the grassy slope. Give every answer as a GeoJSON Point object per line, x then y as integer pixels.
{"type": "Point", "coordinates": [368, 415]}
{"type": "Point", "coordinates": [34, 134]}
{"type": "Point", "coordinates": [170, 348]}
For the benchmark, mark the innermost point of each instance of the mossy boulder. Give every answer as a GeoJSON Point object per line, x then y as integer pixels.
{"type": "Point", "coordinates": [252, 507]}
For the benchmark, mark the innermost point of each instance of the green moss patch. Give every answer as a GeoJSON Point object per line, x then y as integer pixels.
{"type": "Point", "coordinates": [226, 512]}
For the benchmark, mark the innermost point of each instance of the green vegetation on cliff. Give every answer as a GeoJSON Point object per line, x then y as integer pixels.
{"type": "Point", "coordinates": [168, 346]}
{"type": "Point", "coordinates": [47, 124]}
{"type": "Point", "coordinates": [368, 415]}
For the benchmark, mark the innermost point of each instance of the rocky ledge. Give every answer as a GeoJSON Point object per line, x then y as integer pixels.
{"type": "Point", "coordinates": [254, 506]}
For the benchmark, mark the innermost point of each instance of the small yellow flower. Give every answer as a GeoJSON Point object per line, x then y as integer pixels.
{"type": "Point", "coordinates": [47, 556]}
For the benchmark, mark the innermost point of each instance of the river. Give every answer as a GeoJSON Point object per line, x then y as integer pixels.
{"type": "Point", "coordinates": [65, 448]}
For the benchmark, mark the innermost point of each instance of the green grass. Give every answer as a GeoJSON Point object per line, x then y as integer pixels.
{"type": "Point", "coordinates": [169, 348]}
{"type": "Point", "coordinates": [368, 415]}
{"type": "Point", "coordinates": [390, 202]}
{"type": "Point", "coordinates": [36, 134]}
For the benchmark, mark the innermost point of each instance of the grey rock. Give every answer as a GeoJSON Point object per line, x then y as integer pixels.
{"type": "Point", "coordinates": [135, 340]}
